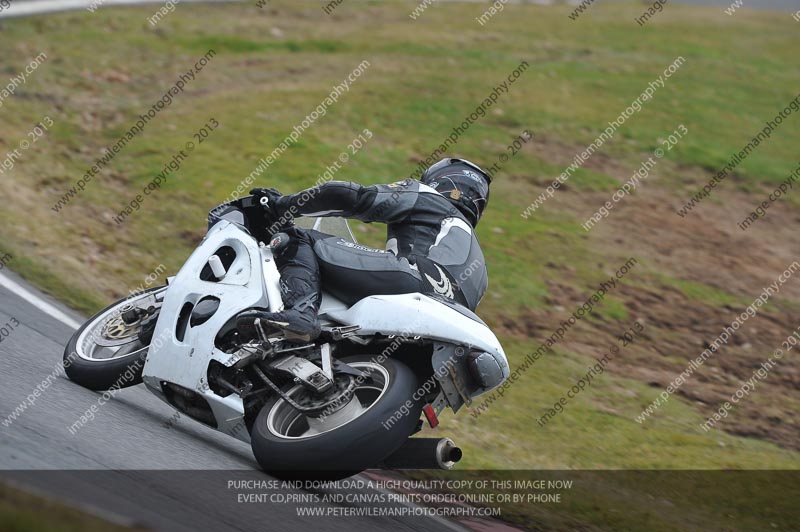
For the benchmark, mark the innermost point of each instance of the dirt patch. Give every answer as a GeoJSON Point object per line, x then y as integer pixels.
{"type": "Point", "coordinates": [705, 247]}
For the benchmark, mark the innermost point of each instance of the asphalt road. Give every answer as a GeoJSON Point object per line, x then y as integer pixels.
{"type": "Point", "coordinates": [126, 464]}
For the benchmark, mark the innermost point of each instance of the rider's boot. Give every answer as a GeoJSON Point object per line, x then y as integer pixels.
{"type": "Point", "coordinates": [300, 288]}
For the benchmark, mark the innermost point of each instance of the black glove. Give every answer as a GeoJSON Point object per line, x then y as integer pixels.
{"type": "Point", "coordinates": [272, 203]}
{"type": "Point", "coordinates": [267, 197]}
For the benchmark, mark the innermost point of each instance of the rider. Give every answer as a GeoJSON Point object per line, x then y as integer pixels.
{"type": "Point", "coordinates": [431, 245]}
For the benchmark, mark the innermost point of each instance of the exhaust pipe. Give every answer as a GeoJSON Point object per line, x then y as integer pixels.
{"type": "Point", "coordinates": [424, 453]}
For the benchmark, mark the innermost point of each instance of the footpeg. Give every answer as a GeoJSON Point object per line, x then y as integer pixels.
{"type": "Point", "coordinates": [339, 333]}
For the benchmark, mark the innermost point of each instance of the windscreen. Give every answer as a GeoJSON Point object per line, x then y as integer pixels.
{"type": "Point", "coordinates": [332, 225]}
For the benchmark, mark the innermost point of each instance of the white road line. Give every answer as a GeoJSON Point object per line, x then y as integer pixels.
{"type": "Point", "coordinates": [21, 8]}
{"type": "Point", "coordinates": [37, 302]}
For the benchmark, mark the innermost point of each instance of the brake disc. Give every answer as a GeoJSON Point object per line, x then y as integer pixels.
{"type": "Point", "coordinates": [117, 332]}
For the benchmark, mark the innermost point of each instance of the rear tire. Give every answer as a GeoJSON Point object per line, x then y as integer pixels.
{"type": "Point", "coordinates": [102, 374]}
{"type": "Point", "coordinates": [343, 451]}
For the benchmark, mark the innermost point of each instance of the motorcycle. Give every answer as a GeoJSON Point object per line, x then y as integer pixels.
{"type": "Point", "coordinates": [349, 401]}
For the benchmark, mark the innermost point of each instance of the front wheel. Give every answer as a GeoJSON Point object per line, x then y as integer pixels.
{"type": "Point", "coordinates": [108, 351]}
{"type": "Point", "coordinates": [377, 420]}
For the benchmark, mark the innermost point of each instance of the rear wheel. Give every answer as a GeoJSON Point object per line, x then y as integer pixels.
{"type": "Point", "coordinates": [109, 350]}
{"type": "Point", "coordinates": [375, 422]}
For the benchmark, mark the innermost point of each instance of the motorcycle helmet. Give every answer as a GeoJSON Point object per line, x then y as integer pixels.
{"type": "Point", "coordinates": [463, 183]}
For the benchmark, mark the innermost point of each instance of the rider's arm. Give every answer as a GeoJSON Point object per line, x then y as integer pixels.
{"type": "Point", "coordinates": [375, 203]}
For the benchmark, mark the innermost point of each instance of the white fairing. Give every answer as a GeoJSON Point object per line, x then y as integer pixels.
{"type": "Point", "coordinates": [419, 315]}
{"type": "Point", "coordinates": [186, 362]}
{"type": "Point", "coordinates": [252, 280]}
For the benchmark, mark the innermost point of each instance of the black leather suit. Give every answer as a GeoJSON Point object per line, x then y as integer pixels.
{"type": "Point", "coordinates": [430, 246]}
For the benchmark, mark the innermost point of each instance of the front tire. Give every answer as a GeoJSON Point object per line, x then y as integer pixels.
{"type": "Point", "coordinates": [286, 446]}
{"type": "Point", "coordinates": [100, 368]}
